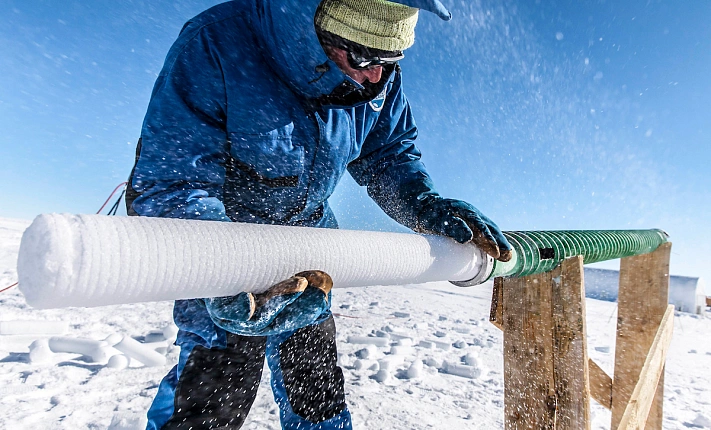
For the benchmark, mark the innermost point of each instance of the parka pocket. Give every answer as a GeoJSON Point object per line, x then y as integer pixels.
{"type": "Point", "coordinates": [270, 158]}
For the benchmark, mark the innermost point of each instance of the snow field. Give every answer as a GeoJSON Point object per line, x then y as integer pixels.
{"type": "Point", "coordinates": [427, 329]}
{"type": "Point", "coordinates": [402, 357]}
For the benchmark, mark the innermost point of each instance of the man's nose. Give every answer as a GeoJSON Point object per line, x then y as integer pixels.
{"type": "Point", "coordinates": [373, 74]}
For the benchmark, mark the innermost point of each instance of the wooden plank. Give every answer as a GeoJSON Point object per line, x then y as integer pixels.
{"type": "Point", "coordinates": [635, 416]}
{"type": "Point", "coordinates": [600, 385]}
{"type": "Point", "coordinates": [496, 314]}
{"type": "Point", "coordinates": [708, 301]}
{"type": "Point", "coordinates": [655, 418]}
{"type": "Point", "coordinates": [570, 355]}
{"type": "Point", "coordinates": [642, 301]}
{"type": "Point", "coordinates": [529, 388]}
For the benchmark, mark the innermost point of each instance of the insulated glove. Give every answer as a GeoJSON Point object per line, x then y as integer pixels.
{"type": "Point", "coordinates": [417, 205]}
{"type": "Point", "coordinates": [289, 305]}
{"type": "Point", "coordinates": [464, 223]}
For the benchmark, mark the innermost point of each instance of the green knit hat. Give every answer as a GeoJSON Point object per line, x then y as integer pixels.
{"type": "Point", "coordinates": [377, 24]}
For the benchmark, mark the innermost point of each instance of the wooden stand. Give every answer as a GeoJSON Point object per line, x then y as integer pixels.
{"type": "Point", "coordinates": [548, 377]}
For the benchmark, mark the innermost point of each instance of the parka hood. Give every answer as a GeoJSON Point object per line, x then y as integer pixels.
{"type": "Point", "coordinates": [285, 30]}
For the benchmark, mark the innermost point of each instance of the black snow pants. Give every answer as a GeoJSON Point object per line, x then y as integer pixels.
{"type": "Point", "coordinates": [217, 387]}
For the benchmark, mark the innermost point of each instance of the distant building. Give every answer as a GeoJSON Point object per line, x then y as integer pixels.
{"type": "Point", "coordinates": [685, 293]}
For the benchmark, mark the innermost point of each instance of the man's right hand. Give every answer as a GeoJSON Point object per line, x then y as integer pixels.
{"type": "Point", "coordinates": [286, 306]}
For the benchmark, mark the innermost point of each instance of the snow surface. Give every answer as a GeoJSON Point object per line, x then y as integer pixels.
{"type": "Point", "coordinates": [433, 360]}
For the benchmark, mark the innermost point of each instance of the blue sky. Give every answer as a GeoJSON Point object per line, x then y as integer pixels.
{"type": "Point", "coordinates": [544, 114]}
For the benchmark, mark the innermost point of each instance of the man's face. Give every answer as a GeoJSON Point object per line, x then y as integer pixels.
{"type": "Point", "coordinates": [340, 57]}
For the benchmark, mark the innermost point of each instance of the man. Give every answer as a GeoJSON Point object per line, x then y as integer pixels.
{"type": "Point", "coordinates": [261, 107]}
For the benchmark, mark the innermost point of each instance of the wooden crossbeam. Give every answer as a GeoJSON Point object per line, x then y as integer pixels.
{"type": "Point", "coordinates": [600, 385]}
{"type": "Point", "coordinates": [637, 410]}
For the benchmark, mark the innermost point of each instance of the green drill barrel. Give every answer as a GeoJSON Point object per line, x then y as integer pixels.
{"type": "Point", "coordinates": [542, 251]}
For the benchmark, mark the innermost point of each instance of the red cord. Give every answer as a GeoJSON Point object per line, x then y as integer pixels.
{"type": "Point", "coordinates": [110, 196]}
{"type": "Point", "coordinates": [5, 289]}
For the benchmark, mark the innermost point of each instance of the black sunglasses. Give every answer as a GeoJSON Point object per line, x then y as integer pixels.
{"type": "Point", "coordinates": [359, 61]}
{"type": "Point", "coordinates": [359, 57]}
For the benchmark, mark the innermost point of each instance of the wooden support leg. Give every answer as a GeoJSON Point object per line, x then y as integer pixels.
{"type": "Point", "coordinates": [529, 389]}
{"type": "Point", "coordinates": [570, 352]}
{"type": "Point", "coordinates": [545, 357]}
{"type": "Point", "coordinates": [642, 302]}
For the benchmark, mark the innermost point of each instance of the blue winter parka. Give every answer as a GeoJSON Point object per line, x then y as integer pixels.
{"type": "Point", "coordinates": [242, 126]}
{"type": "Point", "coordinates": [239, 126]}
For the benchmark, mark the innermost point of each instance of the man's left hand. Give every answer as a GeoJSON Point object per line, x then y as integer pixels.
{"type": "Point", "coordinates": [464, 223]}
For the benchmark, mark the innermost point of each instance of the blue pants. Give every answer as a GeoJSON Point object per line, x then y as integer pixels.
{"type": "Point", "coordinates": [215, 381]}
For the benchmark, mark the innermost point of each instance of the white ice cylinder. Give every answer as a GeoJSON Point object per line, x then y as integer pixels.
{"type": "Point", "coordinates": [415, 369]}
{"type": "Point", "coordinates": [170, 333]}
{"type": "Point", "coordinates": [46, 328]}
{"type": "Point", "coordinates": [462, 370]}
{"type": "Point", "coordinates": [97, 350]}
{"type": "Point", "coordinates": [391, 362]}
{"type": "Point", "coordinates": [40, 352]}
{"type": "Point", "coordinates": [366, 364]}
{"type": "Point", "coordinates": [95, 260]}
{"type": "Point", "coordinates": [119, 362]}
{"type": "Point", "coordinates": [128, 421]}
{"type": "Point", "coordinates": [382, 376]}
{"type": "Point", "coordinates": [368, 340]}
{"type": "Point", "coordinates": [136, 350]}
